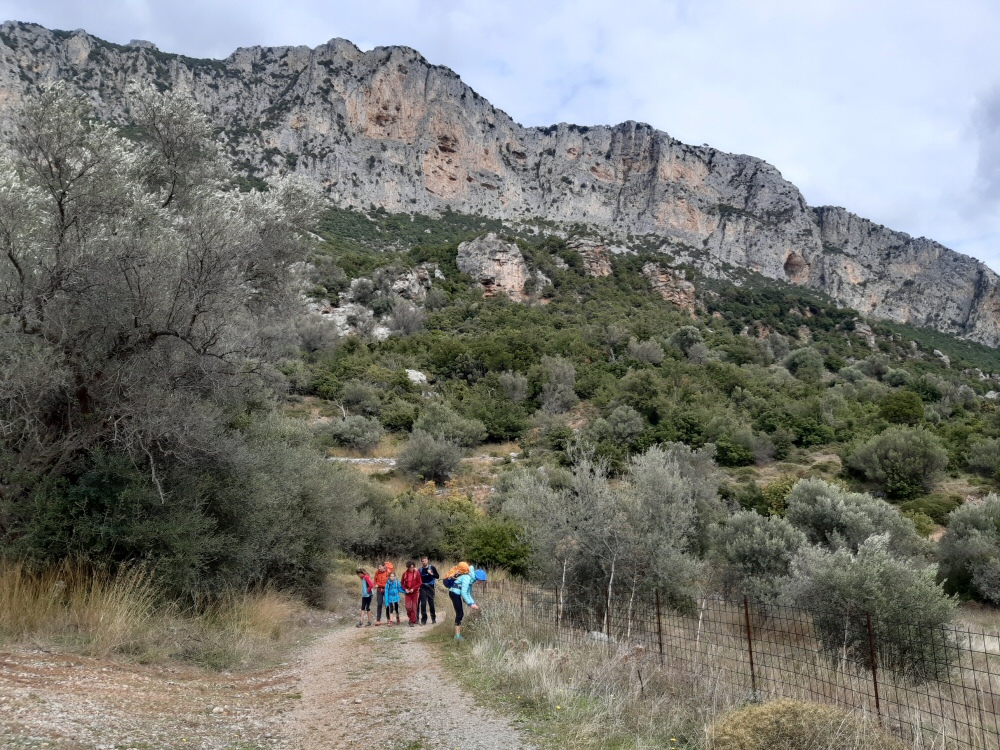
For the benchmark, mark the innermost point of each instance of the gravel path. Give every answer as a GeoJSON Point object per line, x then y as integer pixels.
{"type": "Point", "coordinates": [383, 688]}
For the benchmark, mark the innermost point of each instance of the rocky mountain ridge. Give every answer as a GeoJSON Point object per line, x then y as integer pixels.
{"type": "Point", "coordinates": [386, 128]}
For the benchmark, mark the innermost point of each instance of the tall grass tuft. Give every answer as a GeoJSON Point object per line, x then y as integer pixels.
{"type": "Point", "coordinates": [69, 602]}
{"type": "Point", "coordinates": [74, 607]}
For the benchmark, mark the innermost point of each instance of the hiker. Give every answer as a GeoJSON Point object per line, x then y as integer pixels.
{"type": "Point", "coordinates": [461, 578]}
{"type": "Point", "coordinates": [392, 591]}
{"type": "Point", "coordinates": [381, 576]}
{"type": "Point", "coordinates": [428, 575]}
{"type": "Point", "coordinates": [411, 588]}
{"type": "Point", "coordinates": [367, 588]}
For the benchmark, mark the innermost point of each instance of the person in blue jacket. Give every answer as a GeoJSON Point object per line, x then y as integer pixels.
{"type": "Point", "coordinates": [461, 593]}
{"type": "Point", "coordinates": [392, 593]}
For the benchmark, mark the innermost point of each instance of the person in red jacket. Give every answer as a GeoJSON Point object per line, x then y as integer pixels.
{"type": "Point", "coordinates": [411, 582]}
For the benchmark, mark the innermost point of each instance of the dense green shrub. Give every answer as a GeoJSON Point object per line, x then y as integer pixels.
{"type": "Point", "coordinates": [806, 364]}
{"type": "Point", "coordinates": [837, 519]}
{"type": "Point", "coordinates": [362, 433]}
{"type": "Point", "coordinates": [901, 460]}
{"type": "Point", "coordinates": [442, 422]}
{"type": "Point", "coordinates": [936, 507]}
{"type": "Point", "coordinates": [901, 407]}
{"type": "Point", "coordinates": [428, 457]}
{"type": "Point", "coordinates": [398, 415]}
{"type": "Point", "coordinates": [647, 352]}
{"type": "Point", "coordinates": [360, 398]}
{"type": "Point", "coordinates": [415, 524]}
{"type": "Point", "coordinates": [754, 553]}
{"type": "Point", "coordinates": [733, 453]}
{"type": "Point", "coordinates": [910, 612]}
{"type": "Point", "coordinates": [497, 543]}
{"type": "Point", "coordinates": [622, 426]}
{"type": "Point", "coordinates": [559, 377]}
{"type": "Point", "coordinates": [969, 553]}
{"type": "Point", "coordinates": [984, 457]}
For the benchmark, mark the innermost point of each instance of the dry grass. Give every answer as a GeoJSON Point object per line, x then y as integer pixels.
{"type": "Point", "coordinates": [73, 608]}
{"type": "Point", "coordinates": [593, 692]}
{"type": "Point", "coordinates": [583, 696]}
{"type": "Point", "coordinates": [797, 725]}
{"type": "Point", "coordinates": [390, 446]}
{"type": "Point", "coordinates": [102, 613]}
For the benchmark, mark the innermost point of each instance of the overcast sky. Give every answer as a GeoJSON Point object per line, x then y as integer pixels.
{"type": "Point", "coordinates": [890, 108]}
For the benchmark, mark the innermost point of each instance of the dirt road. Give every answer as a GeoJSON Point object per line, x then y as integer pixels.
{"type": "Point", "coordinates": [379, 688]}
{"type": "Point", "coordinates": [384, 688]}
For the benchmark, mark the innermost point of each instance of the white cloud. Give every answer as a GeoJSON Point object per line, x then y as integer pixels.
{"type": "Point", "coordinates": [884, 108]}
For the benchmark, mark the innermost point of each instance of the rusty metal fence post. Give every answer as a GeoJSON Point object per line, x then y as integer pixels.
{"type": "Point", "coordinates": [659, 626]}
{"type": "Point", "coordinates": [753, 671]}
{"type": "Point", "coordinates": [874, 661]}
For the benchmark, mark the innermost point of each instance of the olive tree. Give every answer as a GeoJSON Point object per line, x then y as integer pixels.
{"type": "Point", "coordinates": [144, 304]}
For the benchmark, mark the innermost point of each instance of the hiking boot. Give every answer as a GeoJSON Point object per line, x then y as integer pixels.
{"type": "Point", "coordinates": [368, 624]}
{"type": "Point", "coordinates": [359, 624]}
{"type": "Point", "coordinates": [459, 638]}
{"type": "Point", "coordinates": [433, 621]}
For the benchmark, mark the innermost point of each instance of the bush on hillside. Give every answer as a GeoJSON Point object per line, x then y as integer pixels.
{"type": "Point", "coordinates": [559, 376]}
{"type": "Point", "coordinates": [969, 552]}
{"type": "Point", "coordinates": [806, 364]}
{"type": "Point", "coordinates": [360, 433]}
{"type": "Point", "coordinates": [429, 458]}
{"type": "Point", "coordinates": [901, 460]}
{"type": "Point", "coordinates": [984, 457]}
{"type": "Point", "coordinates": [901, 407]}
{"type": "Point", "coordinates": [754, 554]}
{"type": "Point", "coordinates": [910, 612]}
{"type": "Point", "coordinates": [497, 543]}
{"type": "Point", "coordinates": [936, 507]}
{"type": "Point", "coordinates": [648, 352]}
{"type": "Point", "coordinates": [837, 519]}
{"type": "Point", "coordinates": [439, 420]}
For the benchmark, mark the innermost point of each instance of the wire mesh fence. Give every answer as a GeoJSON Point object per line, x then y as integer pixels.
{"type": "Point", "coordinates": [935, 687]}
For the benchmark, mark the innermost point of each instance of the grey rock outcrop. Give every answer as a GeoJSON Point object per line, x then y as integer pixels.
{"type": "Point", "coordinates": [496, 265]}
{"type": "Point", "coordinates": [596, 256]}
{"type": "Point", "coordinates": [671, 285]}
{"type": "Point", "coordinates": [388, 128]}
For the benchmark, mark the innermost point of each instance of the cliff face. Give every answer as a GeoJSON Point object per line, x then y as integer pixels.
{"type": "Point", "coordinates": [388, 128]}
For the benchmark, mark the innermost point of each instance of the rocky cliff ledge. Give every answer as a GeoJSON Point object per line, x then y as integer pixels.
{"type": "Point", "coordinates": [388, 128]}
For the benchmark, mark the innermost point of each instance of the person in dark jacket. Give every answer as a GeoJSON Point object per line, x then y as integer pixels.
{"type": "Point", "coordinates": [428, 575]}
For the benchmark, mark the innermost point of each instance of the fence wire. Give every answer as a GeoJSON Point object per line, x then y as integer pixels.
{"type": "Point", "coordinates": [932, 686]}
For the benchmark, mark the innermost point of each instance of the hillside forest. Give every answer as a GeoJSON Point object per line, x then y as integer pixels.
{"type": "Point", "coordinates": [234, 386]}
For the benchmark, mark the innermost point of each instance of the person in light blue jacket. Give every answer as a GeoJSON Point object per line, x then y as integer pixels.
{"type": "Point", "coordinates": [392, 593]}
{"type": "Point", "coordinates": [461, 593]}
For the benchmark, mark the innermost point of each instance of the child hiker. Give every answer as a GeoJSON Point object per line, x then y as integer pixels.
{"type": "Point", "coordinates": [367, 589]}
{"type": "Point", "coordinates": [392, 591]}
{"type": "Point", "coordinates": [411, 587]}
{"type": "Point", "coordinates": [461, 577]}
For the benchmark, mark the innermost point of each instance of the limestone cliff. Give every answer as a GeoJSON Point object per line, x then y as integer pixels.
{"type": "Point", "coordinates": [388, 128]}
